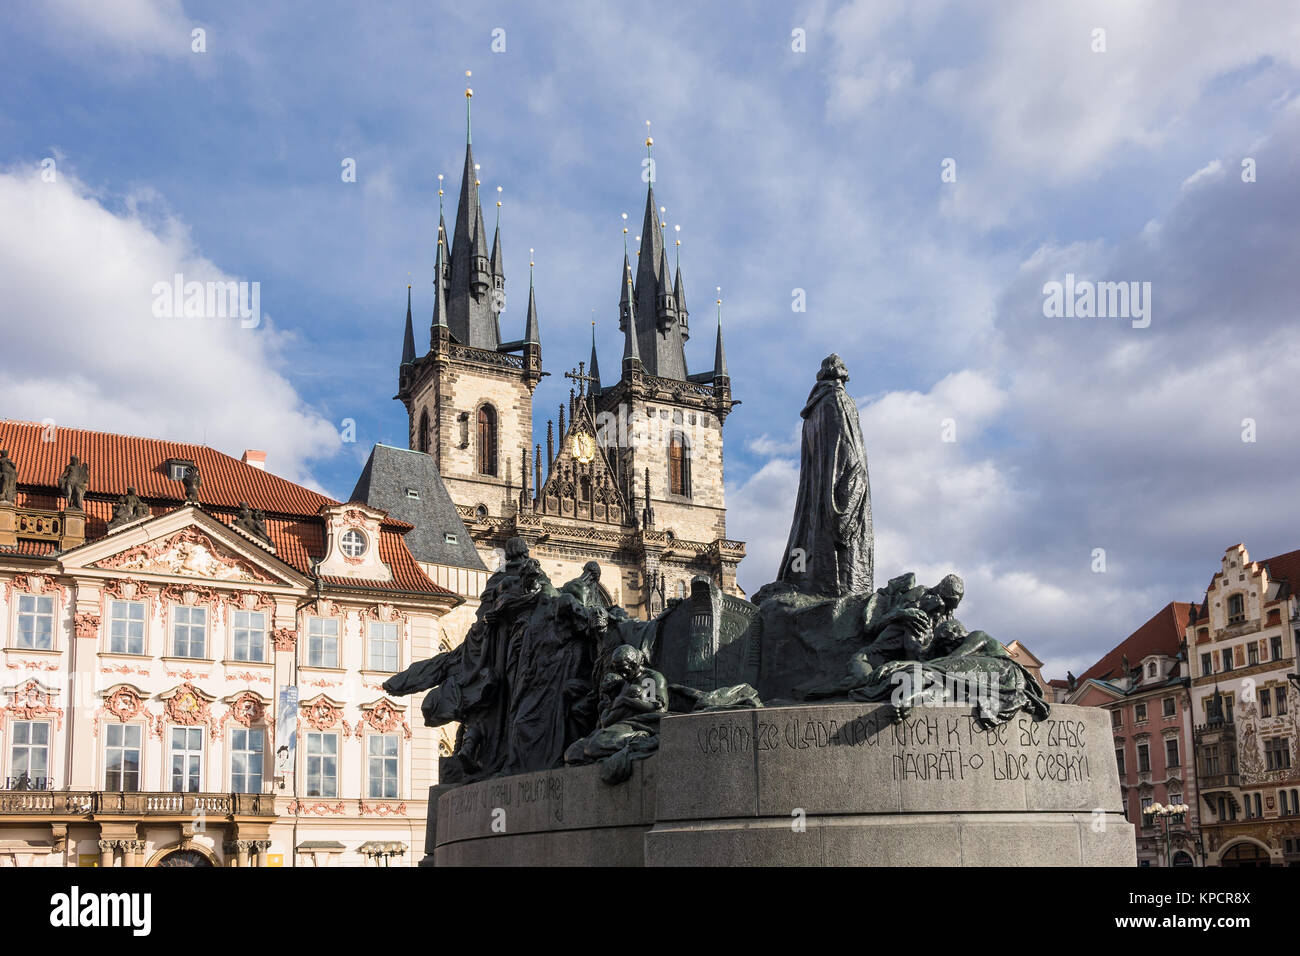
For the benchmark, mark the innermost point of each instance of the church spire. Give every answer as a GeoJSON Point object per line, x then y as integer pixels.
{"type": "Point", "coordinates": [659, 331]}
{"type": "Point", "coordinates": [595, 366]}
{"type": "Point", "coordinates": [408, 340]}
{"type": "Point", "coordinates": [470, 316]}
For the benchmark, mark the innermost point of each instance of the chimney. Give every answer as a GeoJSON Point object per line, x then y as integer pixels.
{"type": "Point", "coordinates": [254, 459]}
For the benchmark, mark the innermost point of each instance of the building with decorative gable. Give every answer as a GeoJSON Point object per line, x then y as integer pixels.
{"type": "Point", "coordinates": [1242, 642]}
{"type": "Point", "coordinates": [193, 651]}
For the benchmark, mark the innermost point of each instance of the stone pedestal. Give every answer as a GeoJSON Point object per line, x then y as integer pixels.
{"type": "Point", "coordinates": [827, 785]}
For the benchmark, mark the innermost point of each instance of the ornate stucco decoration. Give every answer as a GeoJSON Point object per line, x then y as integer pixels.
{"type": "Point", "coordinates": [86, 625]}
{"type": "Point", "coordinates": [384, 717]}
{"type": "Point", "coordinates": [31, 700]}
{"type": "Point", "coordinates": [187, 552]}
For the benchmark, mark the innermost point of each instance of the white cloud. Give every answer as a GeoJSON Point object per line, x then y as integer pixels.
{"type": "Point", "coordinates": [128, 26]}
{"type": "Point", "coordinates": [79, 283]}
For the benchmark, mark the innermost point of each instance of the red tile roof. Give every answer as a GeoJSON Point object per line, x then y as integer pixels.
{"type": "Point", "coordinates": [117, 461]}
{"type": "Point", "coordinates": [1163, 634]}
{"type": "Point", "coordinates": [1285, 567]}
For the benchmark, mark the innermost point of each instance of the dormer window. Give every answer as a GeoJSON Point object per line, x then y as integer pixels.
{"type": "Point", "coordinates": [449, 538]}
{"type": "Point", "coordinates": [178, 468]}
{"type": "Point", "coordinates": [1151, 669]}
{"type": "Point", "coordinates": [413, 493]}
{"type": "Point", "coordinates": [353, 543]}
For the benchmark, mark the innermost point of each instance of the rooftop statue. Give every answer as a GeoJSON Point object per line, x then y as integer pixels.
{"type": "Point", "coordinates": [73, 481]}
{"type": "Point", "coordinates": [8, 477]}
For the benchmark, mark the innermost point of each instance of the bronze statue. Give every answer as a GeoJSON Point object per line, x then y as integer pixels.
{"type": "Point", "coordinates": [633, 698]}
{"type": "Point", "coordinates": [916, 652]}
{"type": "Point", "coordinates": [8, 477]}
{"type": "Point", "coordinates": [192, 481]}
{"type": "Point", "coordinates": [829, 551]}
{"type": "Point", "coordinates": [72, 483]}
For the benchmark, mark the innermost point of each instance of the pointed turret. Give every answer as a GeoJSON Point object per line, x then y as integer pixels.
{"type": "Point", "coordinates": [532, 336]}
{"type": "Point", "coordinates": [625, 297]}
{"type": "Point", "coordinates": [595, 366]}
{"type": "Point", "coordinates": [719, 353]}
{"type": "Point", "coordinates": [439, 297]}
{"type": "Point", "coordinates": [679, 293]}
{"type": "Point", "coordinates": [408, 340]}
{"type": "Point", "coordinates": [631, 348]}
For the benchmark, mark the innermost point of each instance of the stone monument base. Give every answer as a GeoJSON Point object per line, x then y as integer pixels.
{"type": "Point", "coordinates": [837, 784]}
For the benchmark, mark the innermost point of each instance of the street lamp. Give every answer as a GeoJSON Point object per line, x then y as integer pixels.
{"type": "Point", "coordinates": [1171, 815]}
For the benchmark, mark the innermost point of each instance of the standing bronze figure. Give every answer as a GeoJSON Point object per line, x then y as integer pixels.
{"type": "Point", "coordinates": [830, 551]}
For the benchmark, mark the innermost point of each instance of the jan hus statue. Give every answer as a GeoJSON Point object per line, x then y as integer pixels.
{"type": "Point", "coordinates": [830, 548]}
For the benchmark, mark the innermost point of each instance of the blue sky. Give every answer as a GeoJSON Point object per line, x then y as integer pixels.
{"type": "Point", "coordinates": [816, 170]}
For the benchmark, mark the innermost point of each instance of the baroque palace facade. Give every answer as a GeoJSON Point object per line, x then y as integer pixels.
{"type": "Point", "coordinates": [153, 613]}
{"type": "Point", "coordinates": [631, 477]}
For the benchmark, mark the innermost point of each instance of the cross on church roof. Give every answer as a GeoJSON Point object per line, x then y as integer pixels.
{"type": "Point", "coordinates": [581, 378]}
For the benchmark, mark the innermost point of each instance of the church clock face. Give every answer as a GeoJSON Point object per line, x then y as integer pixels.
{"type": "Point", "coordinates": [583, 446]}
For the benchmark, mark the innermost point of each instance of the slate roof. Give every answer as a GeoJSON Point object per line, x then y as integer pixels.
{"type": "Point", "coordinates": [1162, 634]}
{"type": "Point", "coordinates": [293, 522]}
{"type": "Point", "coordinates": [383, 483]}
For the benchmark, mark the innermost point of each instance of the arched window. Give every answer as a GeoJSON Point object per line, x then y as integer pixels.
{"type": "Point", "coordinates": [487, 440]}
{"type": "Point", "coordinates": [422, 437]}
{"type": "Point", "coordinates": [679, 466]}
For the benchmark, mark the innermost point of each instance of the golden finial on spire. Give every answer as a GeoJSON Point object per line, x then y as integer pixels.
{"type": "Point", "coordinates": [498, 197]}
{"type": "Point", "coordinates": [649, 140]}
{"type": "Point", "coordinates": [468, 92]}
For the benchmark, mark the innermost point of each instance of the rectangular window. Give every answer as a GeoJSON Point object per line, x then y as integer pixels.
{"type": "Point", "coordinates": [122, 757]}
{"type": "Point", "coordinates": [187, 759]}
{"type": "Point", "coordinates": [1140, 713]}
{"type": "Point", "coordinates": [1207, 663]}
{"type": "Point", "coordinates": [1266, 703]}
{"type": "Point", "coordinates": [381, 768]}
{"type": "Point", "coordinates": [29, 763]}
{"type": "Point", "coordinates": [1212, 761]}
{"type": "Point", "coordinates": [1170, 707]}
{"type": "Point", "coordinates": [1227, 708]}
{"type": "Point", "coordinates": [36, 622]}
{"type": "Point", "coordinates": [1144, 758]}
{"type": "Point", "coordinates": [322, 642]}
{"type": "Point", "coordinates": [1236, 609]}
{"type": "Point", "coordinates": [1117, 718]}
{"type": "Point", "coordinates": [1277, 753]}
{"type": "Point", "coordinates": [1227, 658]}
{"type": "Point", "coordinates": [383, 646]}
{"type": "Point", "coordinates": [1275, 645]}
{"type": "Point", "coordinates": [189, 631]}
{"type": "Point", "coordinates": [1279, 695]}
{"type": "Point", "coordinates": [1119, 760]}
{"type": "Point", "coordinates": [1171, 752]}
{"type": "Point", "coordinates": [250, 636]}
{"type": "Point", "coordinates": [246, 749]}
{"type": "Point", "coordinates": [1252, 654]}
{"type": "Point", "coordinates": [126, 627]}
{"type": "Point", "coordinates": [322, 765]}
{"type": "Point", "coordinates": [1282, 801]}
